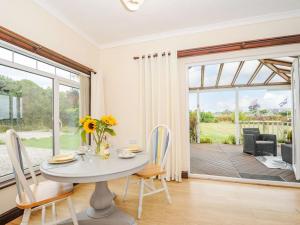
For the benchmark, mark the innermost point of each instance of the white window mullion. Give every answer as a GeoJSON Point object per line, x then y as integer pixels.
{"type": "Point", "coordinates": [56, 117]}
{"type": "Point", "coordinates": [237, 117]}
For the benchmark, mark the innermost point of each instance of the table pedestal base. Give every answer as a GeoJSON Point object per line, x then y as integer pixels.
{"type": "Point", "coordinates": [118, 217]}
{"type": "Point", "coordinates": [103, 210]}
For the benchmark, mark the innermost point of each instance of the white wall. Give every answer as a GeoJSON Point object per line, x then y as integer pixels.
{"type": "Point", "coordinates": [120, 70]}
{"type": "Point", "coordinates": [28, 19]}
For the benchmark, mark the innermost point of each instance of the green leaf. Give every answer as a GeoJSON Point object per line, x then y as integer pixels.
{"type": "Point", "coordinates": [110, 131]}
{"type": "Point", "coordinates": [83, 136]}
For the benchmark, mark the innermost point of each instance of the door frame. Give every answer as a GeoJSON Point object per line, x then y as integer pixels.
{"type": "Point", "coordinates": [295, 116]}
{"type": "Point", "coordinates": [249, 54]}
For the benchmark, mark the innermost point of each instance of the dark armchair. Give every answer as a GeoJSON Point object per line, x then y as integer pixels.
{"type": "Point", "coordinates": [259, 144]}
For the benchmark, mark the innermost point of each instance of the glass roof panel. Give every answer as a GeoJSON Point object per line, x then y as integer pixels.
{"type": "Point", "coordinates": [288, 59]}
{"type": "Point", "coordinates": [195, 76]}
{"type": "Point", "coordinates": [262, 75]}
{"type": "Point", "coordinates": [247, 71]}
{"type": "Point", "coordinates": [210, 75]}
{"type": "Point", "coordinates": [228, 72]}
{"type": "Point", "coordinates": [283, 67]}
{"type": "Point", "coordinates": [277, 79]}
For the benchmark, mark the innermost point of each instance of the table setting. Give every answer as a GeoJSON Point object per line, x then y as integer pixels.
{"type": "Point", "coordinates": [97, 164]}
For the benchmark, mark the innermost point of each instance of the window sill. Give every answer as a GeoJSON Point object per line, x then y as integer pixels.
{"type": "Point", "coordinates": [11, 182]}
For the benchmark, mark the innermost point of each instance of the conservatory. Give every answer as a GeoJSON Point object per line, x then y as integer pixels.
{"type": "Point", "coordinates": [226, 98]}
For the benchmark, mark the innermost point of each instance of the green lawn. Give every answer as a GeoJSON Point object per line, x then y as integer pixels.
{"type": "Point", "coordinates": [67, 142]}
{"type": "Point", "coordinates": [218, 132]}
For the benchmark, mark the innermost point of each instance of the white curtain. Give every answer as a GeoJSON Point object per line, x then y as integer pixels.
{"type": "Point", "coordinates": [97, 96]}
{"type": "Point", "coordinates": [159, 92]}
{"type": "Point", "coordinates": [84, 96]}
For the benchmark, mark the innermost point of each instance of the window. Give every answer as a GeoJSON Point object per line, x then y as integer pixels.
{"type": "Point", "coordinates": [247, 71]}
{"type": "Point", "coordinates": [216, 110]}
{"type": "Point", "coordinates": [68, 118]}
{"type": "Point", "coordinates": [24, 60]}
{"type": "Point", "coordinates": [270, 107]}
{"type": "Point", "coordinates": [63, 73]}
{"type": "Point", "coordinates": [45, 67]}
{"type": "Point", "coordinates": [195, 76]}
{"type": "Point", "coordinates": [228, 73]}
{"type": "Point", "coordinates": [26, 106]}
{"type": "Point", "coordinates": [5, 54]}
{"type": "Point", "coordinates": [27, 100]}
{"type": "Point", "coordinates": [211, 73]}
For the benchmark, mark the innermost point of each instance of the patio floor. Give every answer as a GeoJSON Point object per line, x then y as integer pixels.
{"type": "Point", "coordinates": [230, 161]}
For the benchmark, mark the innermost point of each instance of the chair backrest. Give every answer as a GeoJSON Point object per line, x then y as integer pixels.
{"type": "Point", "coordinates": [159, 144]}
{"type": "Point", "coordinates": [251, 131]}
{"type": "Point", "coordinates": [17, 153]}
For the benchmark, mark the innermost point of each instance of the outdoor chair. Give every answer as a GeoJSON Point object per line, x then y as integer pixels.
{"type": "Point", "coordinates": [256, 143]}
{"type": "Point", "coordinates": [287, 153]}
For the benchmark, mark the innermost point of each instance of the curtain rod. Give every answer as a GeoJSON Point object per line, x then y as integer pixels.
{"type": "Point", "coordinates": [31, 46]}
{"type": "Point", "coordinates": [149, 56]}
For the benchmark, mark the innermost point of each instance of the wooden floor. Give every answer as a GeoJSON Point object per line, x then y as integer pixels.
{"type": "Point", "coordinates": [230, 161]}
{"type": "Point", "coordinates": [202, 202]}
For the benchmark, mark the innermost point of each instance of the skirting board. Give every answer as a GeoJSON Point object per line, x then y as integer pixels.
{"type": "Point", "coordinates": [185, 174]}
{"type": "Point", "coordinates": [245, 181]}
{"type": "Point", "coordinates": [10, 215]}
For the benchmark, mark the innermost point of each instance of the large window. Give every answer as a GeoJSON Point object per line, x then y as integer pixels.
{"type": "Point", "coordinates": [31, 92]}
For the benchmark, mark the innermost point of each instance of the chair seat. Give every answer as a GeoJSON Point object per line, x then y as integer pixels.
{"type": "Point", "coordinates": [264, 142]}
{"type": "Point", "coordinates": [45, 192]}
{"type": "Point", "coordinates": [150, 170]}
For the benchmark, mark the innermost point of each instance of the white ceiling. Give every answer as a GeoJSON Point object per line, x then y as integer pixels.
{"type": "Point", "coordinates": [107, 22]}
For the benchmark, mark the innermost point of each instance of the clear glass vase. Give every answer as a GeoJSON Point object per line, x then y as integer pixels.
{"type": "Point", "coordinates": [102, 150]}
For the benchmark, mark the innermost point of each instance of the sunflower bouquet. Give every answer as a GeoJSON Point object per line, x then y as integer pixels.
{"type": "Point", "coordinates": [98, 129]}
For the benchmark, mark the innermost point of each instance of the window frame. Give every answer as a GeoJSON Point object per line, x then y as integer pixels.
{"type": "Point", "coordinates": [56, 81]}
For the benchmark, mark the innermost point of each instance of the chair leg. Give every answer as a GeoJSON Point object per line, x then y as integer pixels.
{"type": "Point", "coordinates": [26, 217]}
{"type": "Point", "coordinates": [72, 211]}
{"type": "Point", "coordinates": [126, 187]}
{"type": "Point", "coordinates": [43, 215]}
{"type": "Point", "coordinates": [54, 215]}
{"type": "Point", "coordinates": [164, 184]}
{"type": "Point", "coordinates": [152, 183]}
{"type": "Point", "coordinates": [141, 196]}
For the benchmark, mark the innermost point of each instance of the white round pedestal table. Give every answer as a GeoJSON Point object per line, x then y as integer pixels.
{"type": "Point", "coordinates": [93, 169]}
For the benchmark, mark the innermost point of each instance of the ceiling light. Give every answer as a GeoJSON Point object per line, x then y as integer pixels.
{"type": "Point", "coordinates": [132, 5]}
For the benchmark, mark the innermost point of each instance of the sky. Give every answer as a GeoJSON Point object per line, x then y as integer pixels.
{"type": "Point", "coordinates": [22, 75]}
{"type": "Point", "coordinates": [225, 100]}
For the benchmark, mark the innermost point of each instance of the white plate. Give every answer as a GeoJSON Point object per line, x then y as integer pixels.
{"type": "Point", "coordinates": [63, 157]}
{"type": "Point", "coordinates": [51, 161]}
{"type": "Point", "coordinates": [127, 155]}
{"type": "Point", "coordinates": [133, 149]}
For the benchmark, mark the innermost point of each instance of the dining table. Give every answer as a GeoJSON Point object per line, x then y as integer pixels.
{"type": "Point", "coordinates": [94, 169]}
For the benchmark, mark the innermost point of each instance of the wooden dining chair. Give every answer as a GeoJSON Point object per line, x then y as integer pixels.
{"type": "Point", "coordinates": [39, 195]}
{"type": "Point", "coordinates": [158, 147]}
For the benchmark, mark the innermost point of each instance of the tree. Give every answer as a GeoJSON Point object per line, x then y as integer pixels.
{"type": "Point", "coordinates": [254, 106]}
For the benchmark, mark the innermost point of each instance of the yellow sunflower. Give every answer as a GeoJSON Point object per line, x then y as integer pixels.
{"type": "Point", "coordinates": [82, 120]}
{"type": "Point", "coordinates": [109, 120]}
{"type": "Point", "coordinates": [89, 125]}
{"type": "Point", "coordinates": [112, 120]}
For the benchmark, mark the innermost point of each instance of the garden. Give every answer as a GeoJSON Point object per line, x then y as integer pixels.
{"type": "Point", "coordinates": [28, 108]}
{"type": "Point", "coordinates": [220, 127]}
